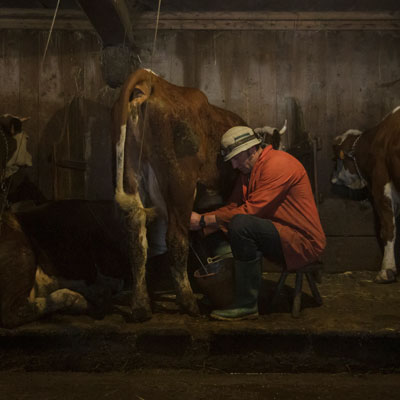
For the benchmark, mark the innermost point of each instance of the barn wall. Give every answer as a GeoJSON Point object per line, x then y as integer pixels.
{"type": "Point", "coordinates": [69, 106]}
{"type": "Point", "coordinates": [342, 79]}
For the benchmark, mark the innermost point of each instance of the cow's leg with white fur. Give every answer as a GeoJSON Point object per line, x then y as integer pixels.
{"type": "Point", "coordinates": [135, 219]}
{"type": "Point", "coordinates": [33, 308]}
{"type": "Point", "coordinates": [44, 298]}
{"type": "Point", "coordinates": [386, 200]}
{"type": "Point", "coordinates": [178, 249]}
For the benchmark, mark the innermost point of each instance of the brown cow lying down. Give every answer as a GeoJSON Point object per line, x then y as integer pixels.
{"type": "Point", "coordinates": [372, 159]}
{"type": "Point", "coordinates": [166, 141]}
{"type": "Point", "coordinates": [60, 256]}
{"type": "Point", "coordinates": [51, 258]}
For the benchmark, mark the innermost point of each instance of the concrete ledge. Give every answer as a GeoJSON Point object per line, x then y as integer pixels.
{"type": "Point", "coordinates": [356, 329]}
{"type": "Point", "coordinates": [237, 349]}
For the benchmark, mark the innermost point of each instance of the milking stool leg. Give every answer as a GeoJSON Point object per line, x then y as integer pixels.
{"type": "Point", "coordinates": [278, 289]}
{"type": "Point", "coordinates": [313, 287]}
{"type": "Point", "coordinates": [297, 295]}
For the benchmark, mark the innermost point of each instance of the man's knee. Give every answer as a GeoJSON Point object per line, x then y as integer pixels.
{"type": "Point", "coordinates": [238, 223]}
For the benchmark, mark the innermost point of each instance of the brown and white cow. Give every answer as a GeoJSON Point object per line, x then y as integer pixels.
{"type": "Point", "coordinates": [13, 146]}
{"type": "Point", "coordinates": [166, 141]}
{"type": "Point", "coordinates": [49, 256]}
{"type": "Point", "coordinates": [372, 159]}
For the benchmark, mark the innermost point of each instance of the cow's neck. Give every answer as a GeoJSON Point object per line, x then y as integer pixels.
{"type": "Point", "coordinates": [362, 151]}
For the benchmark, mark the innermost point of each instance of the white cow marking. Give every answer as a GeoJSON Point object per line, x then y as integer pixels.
{"type": "Point", "coordinates": [21, 156]}
{"type": "Point", "coordinates": [120, 160]}
{"type": "Point", "coordinates": [341, 138]}
{"type": "Point", "coordinates": [396, 109]}
{"type": "Point", "coordinates": [388, 261]}
{"type": "Point", "coordinates": [151, 71]}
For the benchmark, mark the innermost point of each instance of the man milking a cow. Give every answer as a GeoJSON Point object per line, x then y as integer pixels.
{"type": "Point", "coordinates": [271, 213]}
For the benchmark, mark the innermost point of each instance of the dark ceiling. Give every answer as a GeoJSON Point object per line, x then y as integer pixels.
{"type": "Point", "coordinates": [227, 5]}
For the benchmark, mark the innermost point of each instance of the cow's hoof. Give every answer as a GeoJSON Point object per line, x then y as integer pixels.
{"type": "Point", "coordinates": [386, 276]}
{"type": "Point", "coordinates": [191, 307]}
{"type": "Point", "coordinates": [140, 314]}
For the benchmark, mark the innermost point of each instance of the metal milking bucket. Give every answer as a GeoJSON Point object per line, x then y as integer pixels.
{"type": "Point", "coordinates": [215, 280]}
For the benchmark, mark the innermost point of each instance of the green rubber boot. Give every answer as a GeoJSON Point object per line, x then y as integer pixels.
{"type": "Point", "coordinates": [247, 286]}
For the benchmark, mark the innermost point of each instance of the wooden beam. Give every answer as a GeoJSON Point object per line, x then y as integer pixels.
{"type": "Point", "coordinates": [351, 20]}
{"type": "Point", "coordinates": [19, 18]}
{"type": "Point", "coordinates": [111, 20]}
{"type": "Point", "coordinates": [77, 20]}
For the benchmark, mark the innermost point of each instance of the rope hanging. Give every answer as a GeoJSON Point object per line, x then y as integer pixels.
{"type": "Point", "coordinates": [50, 32]}
{"type": "Point", "coordinates": [151, 67]}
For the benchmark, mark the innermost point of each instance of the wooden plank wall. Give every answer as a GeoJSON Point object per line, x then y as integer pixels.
{"type": "Point", "coordinates": [342, 79]}
{"type": "Point", "coordinates": [70, 115]}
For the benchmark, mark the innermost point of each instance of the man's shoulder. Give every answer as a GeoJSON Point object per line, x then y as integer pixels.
{"type": "Point", "coordinates": [282, 156]}
{"type": "Point", "coordinates": [283, 162]}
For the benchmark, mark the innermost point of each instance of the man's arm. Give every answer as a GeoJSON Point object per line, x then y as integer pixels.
{"type": "Point", "coordinates": [203, 221]}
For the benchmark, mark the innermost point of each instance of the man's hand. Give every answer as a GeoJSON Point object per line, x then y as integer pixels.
{"type": "Point", "coordinates": [195, 221]}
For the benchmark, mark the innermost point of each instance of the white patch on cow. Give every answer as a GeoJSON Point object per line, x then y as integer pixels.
{"type": "Point", "coordinates": [342, 176]}
{"type": "Point", "coordinates": [44, 284]}
{"type": "Point", "coordinates": [396, 109]}
{"type": "Point", "coordinates": [151, 71]}
{"type": "Point", "coordinates": [21, 156]}
{"type": "Point", "coordinates": [341, 138]}
{"type": "Point", "coordinates": [388, 261]}
{"type": "Point", "coordinates": [120, 147]}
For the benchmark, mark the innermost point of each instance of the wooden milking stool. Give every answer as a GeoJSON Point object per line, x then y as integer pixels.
{"type": "Point", "coordinates": [313, 275]}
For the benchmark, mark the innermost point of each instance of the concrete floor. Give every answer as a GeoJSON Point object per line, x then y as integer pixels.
{"type": "Point", "coordinates": [357, 329]}
{"type": "Point", "coordinates": [196, 385]}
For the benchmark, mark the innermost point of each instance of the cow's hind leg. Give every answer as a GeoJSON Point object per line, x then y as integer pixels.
{"type": "Point", "coordinates": [178, 246]}
{"type": "Point", "coordinates": [137, 251]}
{"type": "Point", "coordinates": [386, 208]}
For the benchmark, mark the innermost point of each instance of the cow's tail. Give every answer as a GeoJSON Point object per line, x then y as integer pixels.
{"type": "Point", "coordinates": [129, 202]}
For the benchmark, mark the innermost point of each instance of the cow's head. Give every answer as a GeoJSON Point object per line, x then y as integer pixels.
{"type": "Point", "coordinates": [13, 145]}
{"type": "Point", "coordinates": [272, 136]}
{"type": "Point", "coordinates": [345, 172]}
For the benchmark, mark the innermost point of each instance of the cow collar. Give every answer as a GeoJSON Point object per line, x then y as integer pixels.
{"type": "Point", "coordinates": [352, 154]}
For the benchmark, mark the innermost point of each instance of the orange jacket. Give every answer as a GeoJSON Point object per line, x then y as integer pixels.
{"type": "Point", "coordinates": [279, 190]}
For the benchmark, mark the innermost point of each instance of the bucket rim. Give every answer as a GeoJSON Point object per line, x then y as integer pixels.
{"type": "Point", "coordinates": [196, 274]}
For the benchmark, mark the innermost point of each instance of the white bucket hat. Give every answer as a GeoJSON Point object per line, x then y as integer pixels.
{"type": "Point", "coordinates": [236, 140]}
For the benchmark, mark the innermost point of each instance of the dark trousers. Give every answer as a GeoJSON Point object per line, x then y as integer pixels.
{"type": "Point", "coordinates": [249, 236]}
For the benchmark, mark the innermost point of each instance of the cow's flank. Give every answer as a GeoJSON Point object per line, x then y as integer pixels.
{"type": "Point", "coordinates": [372, 159]}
